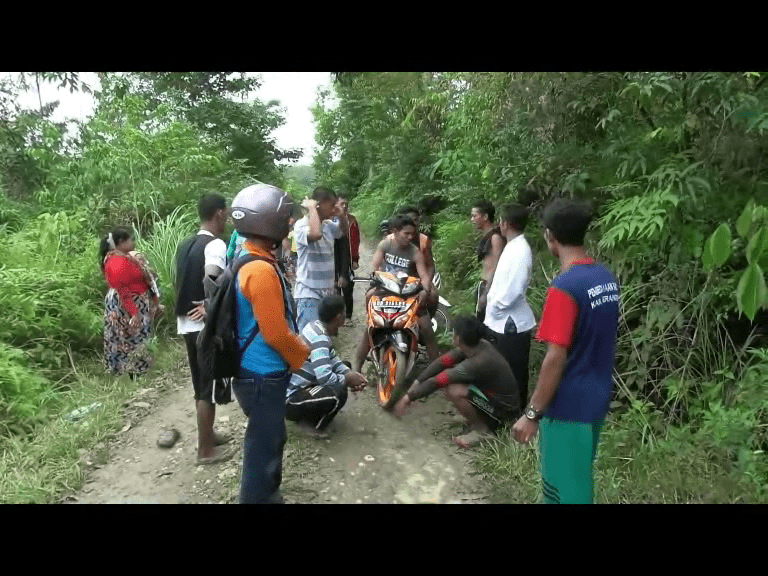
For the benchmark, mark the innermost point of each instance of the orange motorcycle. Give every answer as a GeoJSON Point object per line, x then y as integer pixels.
{"type": "Point", "coordinates": [393, 332]}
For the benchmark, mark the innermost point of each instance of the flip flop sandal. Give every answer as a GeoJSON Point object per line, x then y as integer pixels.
{"type": "Point", "coordinates": [222, 456]}
{"type": "Point", "coordinates": [168, 438]}
{"type": "Point", "coordinates": [219, 438]}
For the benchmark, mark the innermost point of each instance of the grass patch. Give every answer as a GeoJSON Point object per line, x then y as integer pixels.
{"type": "Point", "coordinates": [45, 466]}
{"type": "Point", "coordinates": [678, 467]}
{"type": "Point", "coordinates": [510, 470]}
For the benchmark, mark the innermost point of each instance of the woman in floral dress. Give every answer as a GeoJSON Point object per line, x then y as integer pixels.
{"type": "Point", "coordinates": [131, 305]}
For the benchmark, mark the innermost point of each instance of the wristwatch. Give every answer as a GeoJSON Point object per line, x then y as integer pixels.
{"type": "Point", "coordinates": [532, 414]}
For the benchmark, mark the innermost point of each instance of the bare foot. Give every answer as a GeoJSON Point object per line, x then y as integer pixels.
{"type": "Point", "coordinates": [471, 439]}
{"type": "Point", "coordinates": [219, 455]}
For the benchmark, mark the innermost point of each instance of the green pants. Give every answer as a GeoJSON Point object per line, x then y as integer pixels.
{"type": "Point", "coordinates": [568, 452]}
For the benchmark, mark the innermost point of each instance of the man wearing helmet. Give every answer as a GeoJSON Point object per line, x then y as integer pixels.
{"type": "Point", "coordinates": [264, 307]}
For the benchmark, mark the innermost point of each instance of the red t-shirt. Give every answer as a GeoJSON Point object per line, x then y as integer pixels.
{"type": "Point", "coordinates": [126, 277]}
{"type": "Point", "coordinates": [354, 238]}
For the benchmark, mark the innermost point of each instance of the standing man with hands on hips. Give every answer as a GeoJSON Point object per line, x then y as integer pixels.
{"type": "Point", "coordinates": [199, 256]}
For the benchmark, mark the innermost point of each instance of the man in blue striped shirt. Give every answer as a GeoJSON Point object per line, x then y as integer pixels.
{"type": "Point", "coordinates": [316, 267]}
{"type": "Point", "coordinates": [319, 389]}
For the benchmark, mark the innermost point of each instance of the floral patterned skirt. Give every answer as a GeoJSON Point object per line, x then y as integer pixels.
{"type": "Point", "coordinates": [125, 349]}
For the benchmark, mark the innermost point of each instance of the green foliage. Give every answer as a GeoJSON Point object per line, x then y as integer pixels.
{"type": "Point", "coordinates": [457, 264]}
{"type": "Point", "coordinates": [46, 465]}
{"type": "Point", "coordinates": [668, 159]}
{"type": "Point", "coordinates": [23, 391]}
{"type": "Point", "coordinates": [156, 143]}
{"type": "Point", "coordinates": [751, 292]}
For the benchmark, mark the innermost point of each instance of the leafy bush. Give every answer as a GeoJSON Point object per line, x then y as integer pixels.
{"type": "Point", "coordinates": [50, 290]}
{"type": "Point", "coordinates": [23, 391]}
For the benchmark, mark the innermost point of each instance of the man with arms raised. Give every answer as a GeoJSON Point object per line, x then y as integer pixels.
{"type": "Point", "coordinates": [316, 269]}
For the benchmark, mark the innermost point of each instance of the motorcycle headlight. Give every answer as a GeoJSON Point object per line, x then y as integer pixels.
{"type": "Point", "coordinates": [400, 322]}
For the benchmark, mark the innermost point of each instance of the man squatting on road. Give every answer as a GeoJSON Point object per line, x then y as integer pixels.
{"type": "Point", "coordinates": [319, 389]}
{"type": "Point", "coordinates": [476, 379]}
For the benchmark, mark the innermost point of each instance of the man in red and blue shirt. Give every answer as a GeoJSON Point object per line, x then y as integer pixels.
{"type": "Point", "coordinates": [579, 323]}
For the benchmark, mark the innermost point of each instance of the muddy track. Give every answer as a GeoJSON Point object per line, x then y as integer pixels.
{"type": "Point", "coordinates": [369, 458]}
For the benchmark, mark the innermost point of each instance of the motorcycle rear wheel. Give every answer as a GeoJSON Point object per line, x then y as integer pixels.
{"type": "Point", "coordinates": [390, 383]}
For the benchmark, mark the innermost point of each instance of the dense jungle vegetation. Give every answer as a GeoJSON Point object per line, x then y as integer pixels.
{"type": "Point", "coordinates": [673, 164]}
{"type": "Point", "coordinates": [154, 144]}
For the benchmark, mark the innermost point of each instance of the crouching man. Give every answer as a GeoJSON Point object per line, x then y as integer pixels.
{"type": "Point", "coordinates": [319, 389]}
{"type": "Point", "coordinates": [476, 379]}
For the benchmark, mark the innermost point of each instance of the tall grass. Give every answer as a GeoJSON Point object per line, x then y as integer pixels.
{"type": "Point", "coordinates": [160, 249]}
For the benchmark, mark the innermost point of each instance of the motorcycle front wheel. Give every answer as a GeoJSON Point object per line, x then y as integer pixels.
{"type": "Point", "coordinates": [390, 382]}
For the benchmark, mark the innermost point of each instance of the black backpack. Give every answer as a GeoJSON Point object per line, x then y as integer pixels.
{"type": "Point", "coordinates": [217, 350]}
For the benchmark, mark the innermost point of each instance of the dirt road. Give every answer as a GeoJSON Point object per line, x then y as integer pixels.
{"type": "Point", "coordinates": [369, 458]}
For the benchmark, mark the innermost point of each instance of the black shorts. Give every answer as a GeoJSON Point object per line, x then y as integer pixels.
{"type": "Point", "coordinates": [203, 390]}
{"type": "Point", "coordinates": [480, 310]}
{"type": "Point", "coordinates": [492, 410]}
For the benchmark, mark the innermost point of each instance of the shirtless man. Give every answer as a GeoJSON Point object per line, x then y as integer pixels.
{"type": "Point", "coordinates": [488, 250]}
{"type": "Point", "coordinates": [396, 253]}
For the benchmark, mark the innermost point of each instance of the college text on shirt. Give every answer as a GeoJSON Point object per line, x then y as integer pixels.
{"type": "Point", "coordinates": [396, 260]}
{"type": "Point", "coordinates": [603, 293]}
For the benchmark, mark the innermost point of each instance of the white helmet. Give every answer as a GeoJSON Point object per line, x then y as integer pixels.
{"type": "Point", "coordinates": [262, 210]}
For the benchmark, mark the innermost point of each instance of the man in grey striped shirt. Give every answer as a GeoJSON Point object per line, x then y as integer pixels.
{"type": "Point", "coordinates": [316, 266]}
{"type": "Point", "coordinates": [319, 389]}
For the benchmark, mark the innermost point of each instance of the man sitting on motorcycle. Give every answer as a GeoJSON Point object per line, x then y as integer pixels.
{"type": "Point", "coordinates": [396, 253]}
{"type": "Point", "coordinates": [476, 379]}
{"type": "Point", "coordinates": [424, 244]}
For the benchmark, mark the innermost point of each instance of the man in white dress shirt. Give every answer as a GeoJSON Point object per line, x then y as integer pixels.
{"type": "Point", "coordinates": [508, 317]}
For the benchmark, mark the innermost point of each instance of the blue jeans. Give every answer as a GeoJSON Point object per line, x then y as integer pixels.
{"type": "Point", "coordinates": [262, 399]}
{"type": "Point", "coordinates": [307, 311]}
